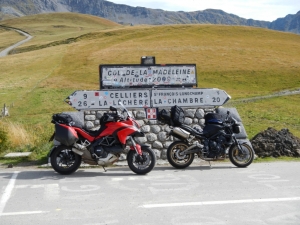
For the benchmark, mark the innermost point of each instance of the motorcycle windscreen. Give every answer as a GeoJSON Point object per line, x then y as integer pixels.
{"type": "Point", "coordinates": [65, 135]}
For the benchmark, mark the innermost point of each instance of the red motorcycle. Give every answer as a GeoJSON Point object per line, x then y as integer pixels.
{"type": "Point", "coordinates": [74, 144]}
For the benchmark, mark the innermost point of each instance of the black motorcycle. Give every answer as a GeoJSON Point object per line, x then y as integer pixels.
{"type": "Point", "coordinates": [216, 141]}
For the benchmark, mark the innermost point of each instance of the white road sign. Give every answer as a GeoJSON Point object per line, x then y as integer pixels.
{"type": "Point", "coordinates": [147, 98]}
{"type": "Point", "coordinates": [116, 76]}
{"type": "Point", "coordinates": [86, 100]}
{"type": "Point", "coordinates": [188, 97]}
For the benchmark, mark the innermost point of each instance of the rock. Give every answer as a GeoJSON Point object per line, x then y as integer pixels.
{"type": "Point", "coordinates": [275, 143]}
{"type": "Point", "coordinates": [155, 129]}
{"type": "Point", "coordinates": [89, 125]}
{"type": "Point", "coordinates": [90, 117]}
{"type": "Point", "coordinates": [145, 129]}
{"type": "Point", "coordinates": [188, 121]}
{"type": "Point", "coordinates": [162, 136]}
{"type": "Point", "coordinates": [157, 144]}
{"type": "Point", "coordinates": [190, 113]}
{"type": "Point", "coordinates": [199, 114]}
{"type": "Point", "coordinates": [151, 137]}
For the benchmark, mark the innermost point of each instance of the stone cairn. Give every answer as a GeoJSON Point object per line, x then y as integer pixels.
{"type": "Point", "coordinates": [273, 143]}
{"type": "Point", "coordinates": [156, 133]}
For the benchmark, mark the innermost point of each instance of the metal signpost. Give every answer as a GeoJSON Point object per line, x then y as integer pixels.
{"type": "Point", "coordinates": [147, 85]}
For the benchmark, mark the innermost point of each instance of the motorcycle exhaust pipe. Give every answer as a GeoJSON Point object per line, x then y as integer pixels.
{"type": "Point", "coordinates": [177, 131]}
{"type": "Point", "coordinates": [79, 149]}
{"type": "Point", "coordinates": [78, 152]}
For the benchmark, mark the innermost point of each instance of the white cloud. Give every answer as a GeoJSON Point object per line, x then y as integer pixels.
{"type": "Point", "coordinates": [268, 10]}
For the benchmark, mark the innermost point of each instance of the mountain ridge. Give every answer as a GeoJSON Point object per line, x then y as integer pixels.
{"type": "Point", "coordinates": [124, 14]}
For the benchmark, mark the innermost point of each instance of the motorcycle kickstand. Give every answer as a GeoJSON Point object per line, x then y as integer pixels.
{"type": "Point", "coordinates": [209, 164]}
{"type": "Point", "coordinates": [104, 169]}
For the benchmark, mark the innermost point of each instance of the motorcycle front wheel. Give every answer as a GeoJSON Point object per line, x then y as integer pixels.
{"type": "Point", "coordinates": [64, 160]}
{"type": "Point", "coordinates": [240, 159]}
{"type": "Point", "coordinates": [175, 159]}
{"type": "Point", "coordinates": [141, 164]}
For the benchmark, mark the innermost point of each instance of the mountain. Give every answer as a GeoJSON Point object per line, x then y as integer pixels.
{"type": "Point", "coordinates": [124, 14]}
{"type": "Point", "coordinates": [289, 23]}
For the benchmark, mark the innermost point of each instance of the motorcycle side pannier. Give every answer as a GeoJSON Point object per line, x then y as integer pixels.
{"type": "Point", "coordinates": [65, 135]}
{"type": "Point", "coordinates": [164, 116]}
{"type": "Point", "coordinates": [177, 115]}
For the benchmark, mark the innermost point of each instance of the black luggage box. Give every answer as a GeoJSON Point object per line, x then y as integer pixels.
{"type": "Point", "coordinates": [65, 135]}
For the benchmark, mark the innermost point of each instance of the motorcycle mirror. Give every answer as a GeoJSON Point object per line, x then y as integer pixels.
{"type": "Point", "coordinates": [112, 108]}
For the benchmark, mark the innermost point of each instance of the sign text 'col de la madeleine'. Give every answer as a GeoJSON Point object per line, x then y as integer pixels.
{"type": "Point", "coordinates": [143, 76]}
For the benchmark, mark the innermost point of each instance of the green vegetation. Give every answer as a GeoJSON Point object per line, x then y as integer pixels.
{"type": "Point", "coordinates": [67, 48]}
{"type": "Point", "coordinates": [279, 159]}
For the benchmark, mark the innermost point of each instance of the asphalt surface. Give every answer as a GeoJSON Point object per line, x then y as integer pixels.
{"type": "Point", "coordinates": [263, 193]}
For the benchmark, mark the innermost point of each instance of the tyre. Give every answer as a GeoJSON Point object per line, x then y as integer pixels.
{"type": "Point", "coordinates": [141, 164]}
{"type": "Point", "coordinates": [238, 158]}
{"type": "Point", "coordinates": [175, 159]}
{"type": "Point", "coordinates": [64, 160]}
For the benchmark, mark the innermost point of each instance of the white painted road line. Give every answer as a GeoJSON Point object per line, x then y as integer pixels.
{"type": "Point", "coordinates": [7, 191]}
{"type": "Point", "coordinates": [22, 213]}
{"type": "Point", "coordinates": [220, 202]}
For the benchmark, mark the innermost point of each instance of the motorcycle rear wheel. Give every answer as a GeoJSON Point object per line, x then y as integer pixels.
{"type": "Point", "coordinates": [177, 161]}
{"type": "Point", "coordinates": [141, 165]}
{"type": "Point", "coordinates": [239, 159]}
{"type": "Point", "coordinates": [64, 160]}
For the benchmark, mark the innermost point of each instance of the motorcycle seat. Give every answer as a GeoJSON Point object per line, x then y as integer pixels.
{"type": "Point", "coordinates": [95, 133]}
{"type": "Point", "coordinates": [191, 130]}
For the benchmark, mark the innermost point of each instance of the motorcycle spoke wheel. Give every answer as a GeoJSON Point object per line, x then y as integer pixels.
{"type": "Point", "coordinates": [141, 164]}
{"type": "Point", "coordinates": [175, 158]}
{"type": "Point", "coordinates": [64, 160]}
{"type": "Point", "coordinates": [240, 159]}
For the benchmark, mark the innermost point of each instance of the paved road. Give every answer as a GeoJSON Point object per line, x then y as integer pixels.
{"type": "Point", "coordinates": [7, 50]}
{"type": "Point", "coordinates": [263, 193]}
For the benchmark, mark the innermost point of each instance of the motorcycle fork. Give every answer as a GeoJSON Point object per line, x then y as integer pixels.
{"type": "Point", "coordinates": [239, 146]}
{"type": "Point", "coordinates": [135, 146]}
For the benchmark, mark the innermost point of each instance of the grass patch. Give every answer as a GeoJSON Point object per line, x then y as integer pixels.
{"type": "Point", "coordinates": [277, 112]}
{"type": "Point", "coordinates": [279, 159]}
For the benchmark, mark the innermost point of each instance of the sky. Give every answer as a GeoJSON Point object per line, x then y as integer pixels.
{"type": "Point", "coordinates": [267, 10]}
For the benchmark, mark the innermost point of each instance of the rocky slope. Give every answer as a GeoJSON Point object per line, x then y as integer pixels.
{"type": "Point", "coordinates": [125, 14]}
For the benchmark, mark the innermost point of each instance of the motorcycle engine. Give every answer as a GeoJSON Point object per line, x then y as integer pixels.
{"type": "Point", "coordinates": [216, 146]}
{"type": "Point", "coordinates": [99, 151]}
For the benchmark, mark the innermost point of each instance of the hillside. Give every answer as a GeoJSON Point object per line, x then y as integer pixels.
{"type": "Point", "coordinates": [243, 61]}
{"type": "Point", "coordinates": [52, 27]}
{"type": "Point", "coordinates": [124, 14]}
